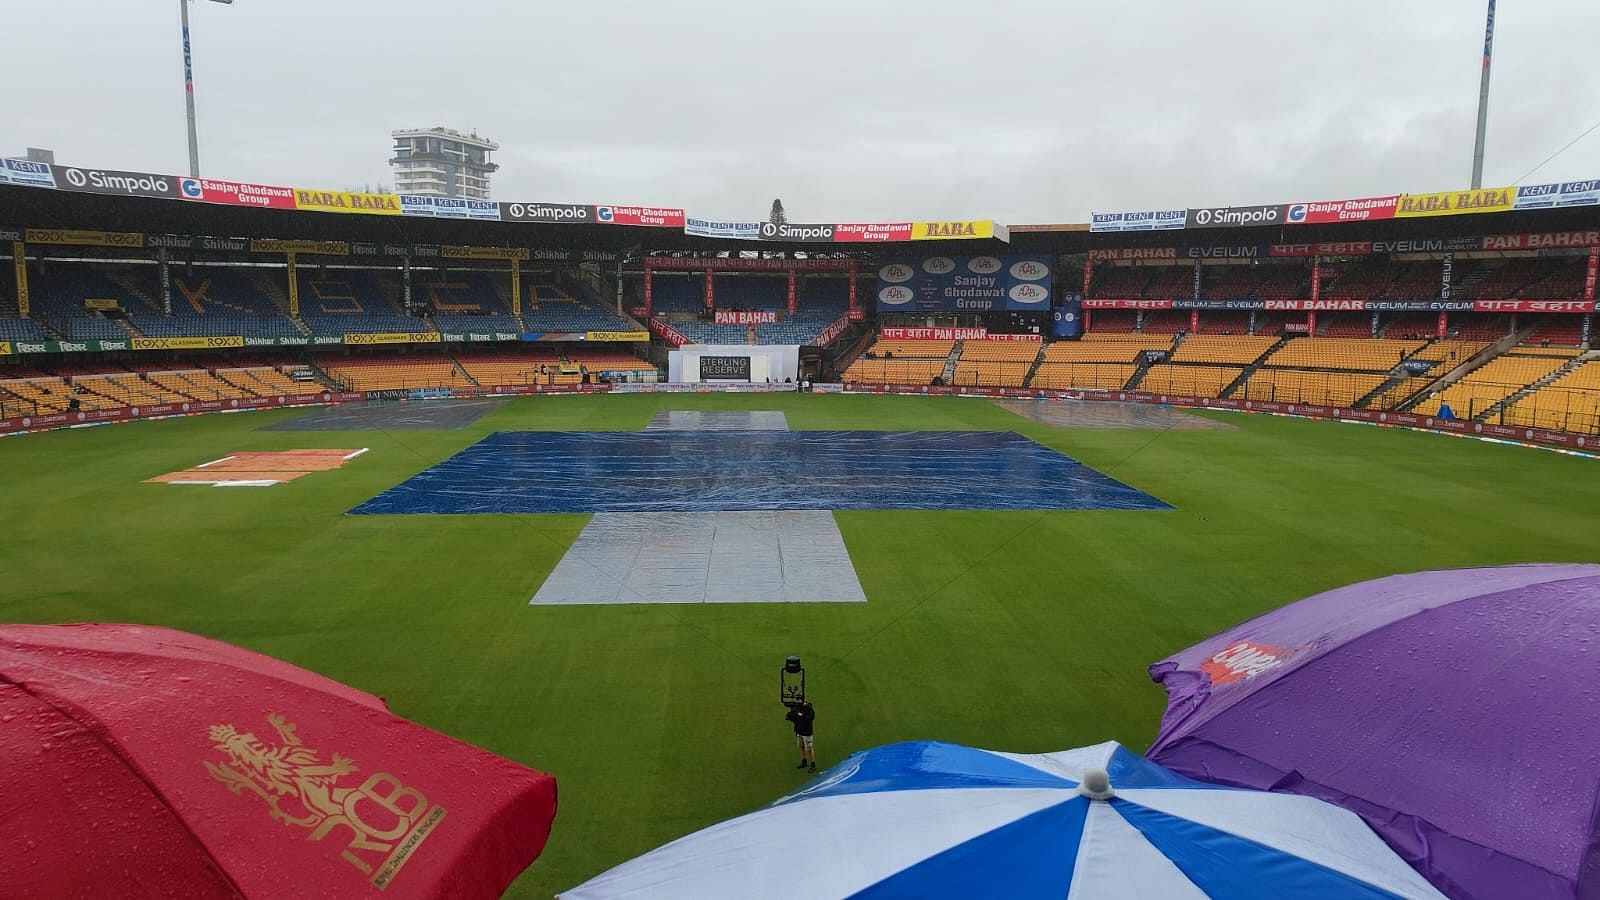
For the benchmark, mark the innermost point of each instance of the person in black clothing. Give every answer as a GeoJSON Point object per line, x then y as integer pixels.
{"type": "Point", "coordinates": [803, 715]}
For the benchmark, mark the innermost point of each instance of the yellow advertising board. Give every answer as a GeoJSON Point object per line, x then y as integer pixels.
{"type": "Point", "coordinates": [484, 252]}
{"type": "Point", "coordinates": [78, 237]}
{"type": "Point", "coordinates": [616, 335]}
{"type": "Point", "coordinates": [187, 343]}
{"type": "Point", "coordinates": [347, 202]}
{"type": "Point", "coordinates": [19, 260]}
{"type": "Point", "coordinates": [100, 304]}
{"type": "Point", "coordinates": [967, 229]}
{"type": "Point", "coordinates": [276, 245]}
{"type": "Point", "coordinates": [355, 338]}
{"type": "Point", "coordinates": [1454, 203]}
{"type": "Point", "coordinates": [5, 348]}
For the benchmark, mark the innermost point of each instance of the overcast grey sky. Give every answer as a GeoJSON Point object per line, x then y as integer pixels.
{"type": "Point", "coordinates": [849, 111]}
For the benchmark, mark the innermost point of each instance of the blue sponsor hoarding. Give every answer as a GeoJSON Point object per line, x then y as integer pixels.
{"type": "Point", "coordinates": [449, 208]}
{"type": "Point", "coordinates": [1144, 220]}
{"type": "Point", "coordinates": [28, 172]}
{"type": "Point", "coordinates": [1555, 196]}
{"type": "Point", "coordinates": [965, 284]}
{"type": "Point", "coordinates": [1066, 320]}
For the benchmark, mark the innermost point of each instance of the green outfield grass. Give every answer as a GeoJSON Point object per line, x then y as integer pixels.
{"type": "Point", "coordinates": [1025, 631]}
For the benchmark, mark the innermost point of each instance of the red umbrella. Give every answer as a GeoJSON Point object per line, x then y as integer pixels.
{"type": "Point", "coordinates": [147, 762]}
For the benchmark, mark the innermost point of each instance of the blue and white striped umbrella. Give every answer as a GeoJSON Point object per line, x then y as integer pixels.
{"type": "Point", "coordinates": [927, 819]}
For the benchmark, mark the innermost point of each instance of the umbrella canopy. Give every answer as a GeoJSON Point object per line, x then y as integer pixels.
{"type": "Point", "coordinates": [1458, 712]}
{"type": "Point", "coordinates": [146, 762]}
{"type": "Point", "coordinates": [940, 820]}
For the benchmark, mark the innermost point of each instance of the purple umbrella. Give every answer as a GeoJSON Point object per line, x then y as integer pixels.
{"type": "Point", "coordinates": [1458, 712]}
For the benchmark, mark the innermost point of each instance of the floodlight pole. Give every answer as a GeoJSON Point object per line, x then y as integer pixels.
{"type": "Point", "coordinates": [188, 88]}
{"type": "Point", "coordinates": [1483, 99]}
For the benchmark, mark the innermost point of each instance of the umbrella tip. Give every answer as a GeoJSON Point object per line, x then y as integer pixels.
{"type": "Point", "coordinates": [1096, 785]}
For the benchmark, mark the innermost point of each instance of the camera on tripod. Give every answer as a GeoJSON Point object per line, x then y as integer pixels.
{"type": "Point", "coordinates": [792, 682]}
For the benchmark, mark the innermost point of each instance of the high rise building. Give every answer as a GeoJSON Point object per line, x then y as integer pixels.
{"type": "Point", "coordinates": [442, 162]}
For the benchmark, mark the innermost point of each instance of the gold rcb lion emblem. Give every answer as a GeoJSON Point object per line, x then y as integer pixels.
{"type": "Point", "coordinates": [385, 821]}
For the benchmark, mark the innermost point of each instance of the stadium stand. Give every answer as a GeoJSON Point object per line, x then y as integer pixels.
{"type": "Point", "coordinates": [350, 300]}
{"type": "Point", "coordinates": [995, 363]}
{"type": "Point", "coordinates": [1240, 350]}
{"type": "Point", "coordinates": [462, 301]}
{"type": "Point", "coordinates": [550, 307]}
{"type": "Point", "coordinates": [1369, 354]}
{"type": "Point", "coordinates": [416, 371]}
{"type": "Point", "coordinates": [1192, 381]}
{"type": "Point", "coordinates": [1571, 402]}
{"type": "Point", "coordinates": [900, 362]}
{"type": "Point", "coordinates": [1112, 321]}
{"type": "Point", "coordinates": [1479, 390]}
{"type": "Point", "coordinates": [59, 291]}
{"type": "Point", "coordinates": [1300, 386]}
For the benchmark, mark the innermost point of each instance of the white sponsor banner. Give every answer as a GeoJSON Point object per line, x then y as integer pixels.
{"type": "Point", "coordinates": [1145, 220]}
{"type": "Point", "coordinates": [449, 208]}
{"type": "Point", "coordinates": [26, 172]}
{"type": "Point", "coordinates": [1553, 196]}
{"type": "Point", "coordinates": [746, 231]}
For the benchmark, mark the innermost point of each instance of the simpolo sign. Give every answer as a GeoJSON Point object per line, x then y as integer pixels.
{"type": "Point", "coordinates": [546, 212]}
{"type": "Point", "coordinates": [1234, 216]}
{"type": "Point", "coordinates": [110, 181]}
{"type": "Point", "coordinates": [809, 234]}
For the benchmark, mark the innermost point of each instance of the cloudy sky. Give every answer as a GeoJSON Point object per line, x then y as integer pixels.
{"type": "Point", "coordinates": [864, 110]}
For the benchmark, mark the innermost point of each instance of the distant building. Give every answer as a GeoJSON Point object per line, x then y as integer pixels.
{"type": "Point", "coordinates": [442, 162]}
{"type": "Point", "coordinates": [41, 156]}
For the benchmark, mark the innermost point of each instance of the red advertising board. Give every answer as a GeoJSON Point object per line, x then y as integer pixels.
{"type": "Point", "coordinates": [1116, 253]}
{"type": "Point", "coordinates": [1362, 210]}
{"type": "Point", "coordinates": [936, 334]}
{"type": "Point", "coordinates": [1310, 305]}
{"type": "Point", "coordinates": [1591, 270]}
{"type": "Point", "coordinates": [1326, 248]}
{"type": "Point", "coordinates": [1558, 240]}
{"type": "Point", "coordinates": [859, 232]}
{"type": "Point", "coordinates": [1099, 303]}
{"type": "Point", "coordinates": [236, 193]}
{"type": "Point", "coordinates": [746, 317]}
{"type": "Point", "coordinates": [651, 216]}
{"type": "Point", "coordinates": [1533, 306]}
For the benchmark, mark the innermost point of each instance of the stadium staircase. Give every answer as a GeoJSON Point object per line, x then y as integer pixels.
{"type": "Point", "coordinates": [1252, 368]}
{"type": "Point", "coordinates": [462, 371]}
{"type": "Point", "coordinates": [277, 294]}
{"type": "Point", "coordinates": [1511, 399]}
{"type": "Point", "coordinates": [127, 328]}
{"type": "Point", "coordinates": [1146, 360]}
{"type": "Point", "coordinates": [1038, 360]}
{"type": "Point", "coordinates": [136, 289]}
{"type": "Point", "coordinates": [949, 373]}
{"type": "Point", "coordinates": [1397, 376]}
{"type": "Point", "coordinates": [1456, 374]}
